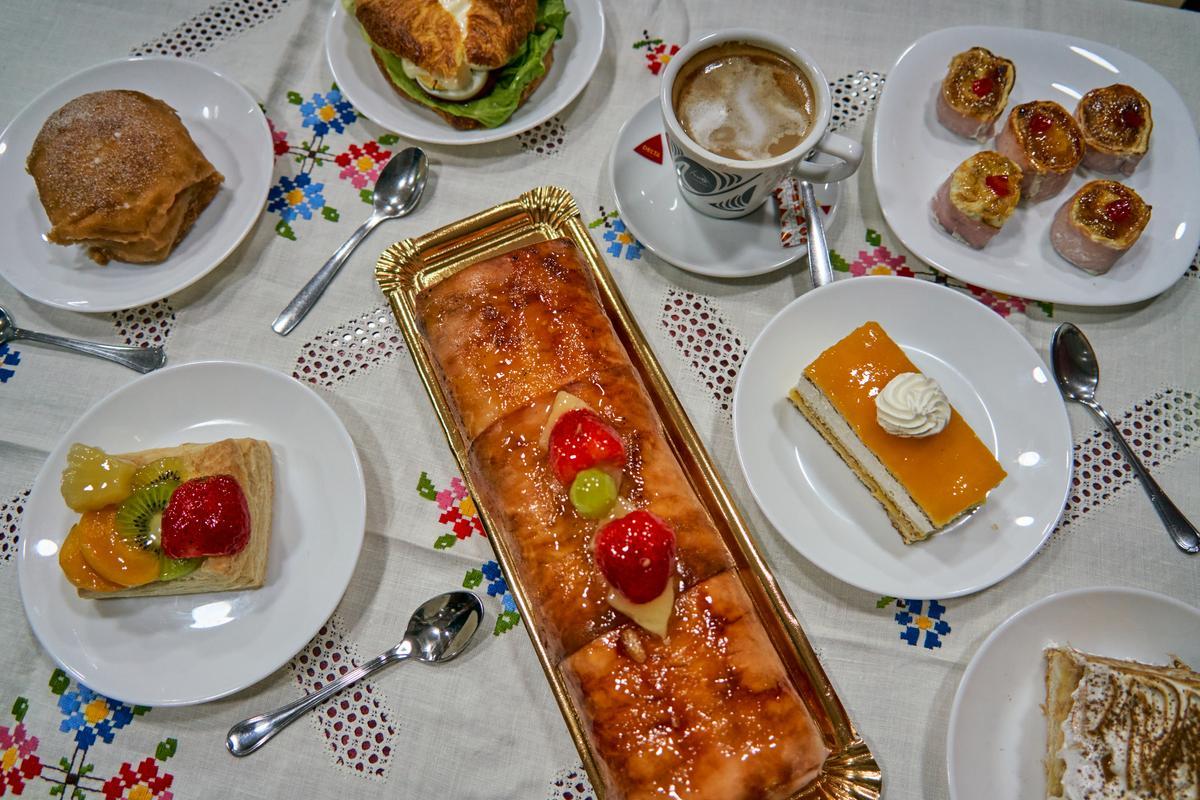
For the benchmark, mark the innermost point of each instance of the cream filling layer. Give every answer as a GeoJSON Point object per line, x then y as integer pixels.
{"type": "Point", "coordinates": [836, 424]}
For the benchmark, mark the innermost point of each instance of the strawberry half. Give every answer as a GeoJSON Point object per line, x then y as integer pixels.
{"type": "Point", "coordinates": [581, 440]}
{"type": "Point", "coordinates": [206, 517]}
{"type": "Point", "coordinates": [636, 553]}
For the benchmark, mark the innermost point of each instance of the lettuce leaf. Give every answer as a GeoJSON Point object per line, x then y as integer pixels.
{"type": "Point", "coordinates": [495, 107]}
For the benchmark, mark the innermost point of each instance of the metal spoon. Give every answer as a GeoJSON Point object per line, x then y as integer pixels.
{"type": "Point", "coordinates": [438, 631]}
{"type": "Point", "coordinates": [397, 193]}
{"type": "Point", "coordinates": [820, 267]}
{"type": "Point", "coordinates": [1078, 375]}
{"type": "Point", "coordinates": [143, 359]}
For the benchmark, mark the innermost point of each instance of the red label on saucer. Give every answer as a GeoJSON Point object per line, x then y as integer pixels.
{"type": "Point", "coordinates": [651, 148]}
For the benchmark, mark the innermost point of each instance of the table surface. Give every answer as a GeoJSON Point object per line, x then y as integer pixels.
{"type": "Point", "coordinates": [486, 726]}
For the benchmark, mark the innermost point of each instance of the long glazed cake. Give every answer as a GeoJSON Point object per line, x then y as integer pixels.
{"type": "Point", "coordinates": [635, 594]}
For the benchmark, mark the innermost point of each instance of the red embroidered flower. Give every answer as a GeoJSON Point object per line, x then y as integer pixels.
{"type": "Point", "coordinates": [145, 783]}
{"type": "Point", "coordinates": [1002, 304]}
{"type": "Point", "coordinates": [361, 165]}
{"type": "Point", "coordinates": [659, 56]}
{"type": "Point", "coordinates": [278, 139]}
{"type": "Point", "coordinates": [458, 510]}
{"type": "Point", "coordinates": [880, 261]}
{"type": "Point", "coordinates": [17, 760]}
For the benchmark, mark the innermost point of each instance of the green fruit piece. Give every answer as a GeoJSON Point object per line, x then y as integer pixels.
{"type": "Point", "coordinates": [139, 519]}
{"type": "Point", "coordinates": [593, 493]}
{"type": "Point", "coordinates": [160, 471]}
{"type": "Point", "coordinates": [171, 568]}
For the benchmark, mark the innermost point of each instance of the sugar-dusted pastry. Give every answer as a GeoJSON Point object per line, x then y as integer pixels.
{"type": "Point", "coordinates": [1046, 143]}
{"type": "Point", "coordinates": [1116, 125]}
{"type": "Point", "coordinates": [626, 574]}
{"type": "Point", "coordinates": [707, 713]}
{"type": "Point", "coordinates": [175, 520]}
{"type": "Point", "coordinates": [1120, 729]}
{"type": "Point", "coordinates": [1098, 224]}
{"type": "Point", "coordinates": [974, 93]}
{"type": "Point", "coordinates": [895, 428]}
{"type": "Point", "coordinates": [973, 204]}
{"type": "Point", "coordinates": [118, 174]}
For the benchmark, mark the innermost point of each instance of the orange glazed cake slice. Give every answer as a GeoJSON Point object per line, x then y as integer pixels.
{"type": "Point", "coordinates": [897, 431]}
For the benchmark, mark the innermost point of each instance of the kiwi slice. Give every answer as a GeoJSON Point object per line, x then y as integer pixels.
{"type": "Point", "coordinates": [171, 568]}
{"type": "Point", "coordinates": [139, 519]}
{"type": "Point", "coordinates": [163, 470]}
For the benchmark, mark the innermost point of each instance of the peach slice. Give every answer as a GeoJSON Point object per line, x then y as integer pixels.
{"type": "Point", "coordinates": [70, 559]}
{"type": "Point", "coordinates": [108, 553]}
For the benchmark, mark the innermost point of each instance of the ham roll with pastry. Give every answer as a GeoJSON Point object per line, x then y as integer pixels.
{"type": "Point", "coordinates": [1098, 224]}
{"type": "Point", "coordinates": [973, 204]}
{"type": "Point", "coordinates": [974, 93]}
{"type": "Point", "coordinates": [1046, 143]}
{"type": "Point", "coordinates": [1116, 124]}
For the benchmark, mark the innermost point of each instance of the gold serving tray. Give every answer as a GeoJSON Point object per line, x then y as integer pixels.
{"type": "Point", "coordinates": [548, 212]}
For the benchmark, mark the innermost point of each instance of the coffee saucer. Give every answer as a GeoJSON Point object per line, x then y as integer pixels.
{"type": "Point", "coordinates": [643, 182]}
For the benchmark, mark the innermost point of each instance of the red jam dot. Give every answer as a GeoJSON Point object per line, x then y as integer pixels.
{"type": "Point", "coordinates": [1132, 118]}
{"type": "Point", "coordinates": [1040, 123]}
{"type": "Point", "coordinates": [1119, 210]}
{"type": "Point", "coordinates": [998, 184]}
{"type": "Point", "coordinates": [983, 87]}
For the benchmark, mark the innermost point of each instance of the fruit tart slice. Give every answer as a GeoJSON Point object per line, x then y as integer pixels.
{"type": "Point", "coordinates": [177, 520]}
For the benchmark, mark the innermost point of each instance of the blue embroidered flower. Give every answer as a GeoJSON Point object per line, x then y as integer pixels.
{"type": "Point", "coordinates": [291, 198]}
{"type": "Point", "coordinates": [330, 110]}
{"type": "Point", "coordinates": [911, 618]}
{"type": "Point", "coordinates": [497, 586]}
{"type": "Point", "coordinates": [91, 715]}
{"type": "Point", "coordinates": [621, 238]}
{"type": "Point", "coordinates": [8, 360]}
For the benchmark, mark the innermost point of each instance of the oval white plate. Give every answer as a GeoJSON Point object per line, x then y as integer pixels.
{"type": "Point", "coordinates": [575, 57]}
{"type": "Point", "coordinates": [997, 735]}
{"type": "Point", "coordinates": [912, 154]}
{"type": "Point", "coordinates": [991, 375]}
{"type": "Point", "coordinates": [650, 206]}
{"type": "Point", "coordinates": [228, 127]}
{"type": "Point", "coordinates": [167, 651]}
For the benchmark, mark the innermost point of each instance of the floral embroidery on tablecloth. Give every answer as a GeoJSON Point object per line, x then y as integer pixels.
{"type": "Point", "coordinates": [618, 241]}
{"type": "Point", "coordinates": [9, 359]}
{"type": "Point", "coordinates": [457, 510]}
{"type": "Point", "coordinates": [918, 618]}
{"type": "Point", "coordinates": [91, 719]}
{"type": "Point", "coordinates": [145, 325]}
{"type": "Point", "coordinates": [497, 586]}
{"type": "Point", "coordinates": [362, 165]}
{"type": "Point", "coordinates": [10, 524]}
{"type": "Point", "coordinates": [656, 52]}
{"type": "Point", "coordinates": [571, 783]}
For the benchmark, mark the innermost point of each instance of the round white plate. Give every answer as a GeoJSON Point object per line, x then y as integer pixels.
{"type": "Point", "coordinates": [991, 375]}
{"type": "Point", "coordinates": [228, 127]}
{"type": "Point", "coordinates": [912, 155]}
{"type": "Point", "coordinates": [165, 651]}
{"type": "Point", "coordinates": [650, 206]}
{"type": "Point", "coordinates": [997, 735]}
{"type": "Point", "coordinates": [575, 57]}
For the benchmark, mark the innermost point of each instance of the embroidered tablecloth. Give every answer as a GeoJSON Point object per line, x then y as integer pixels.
{"type": "Point", "coordinates": [486, 726]}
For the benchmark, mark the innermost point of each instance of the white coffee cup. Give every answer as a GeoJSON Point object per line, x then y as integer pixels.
{"type": "Point", "coordinates": [728, 188]}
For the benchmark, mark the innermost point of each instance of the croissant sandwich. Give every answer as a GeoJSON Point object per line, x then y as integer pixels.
{"type": "Point", "coordinates": [472, 62]}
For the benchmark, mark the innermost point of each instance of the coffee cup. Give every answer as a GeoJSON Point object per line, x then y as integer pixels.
{"type": "Point", "coordinates": [735, 183]}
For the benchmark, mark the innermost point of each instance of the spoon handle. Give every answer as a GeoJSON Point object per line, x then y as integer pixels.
{"type": "Point", "coordinates": [142, 359]}
{"type": "Point", "coordinates": [307, 297]}
{"type": "Point", "coordinates": [250, 734]}
{"type": "Point", "coordinates": [1182, 532]}
{"type": "Point", "coordinates": [820, 268]}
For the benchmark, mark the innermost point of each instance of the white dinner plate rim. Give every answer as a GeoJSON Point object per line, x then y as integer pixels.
{"type": "Point", "coordinates": [652, 242]}
{"type": "Point", "coordinates": [45, 476]}
{"type": "Point", "coordinates": [848, 576]}
{"type": "Point", "coordinates": [452, 136]}
{"type": "Point", "coordinates": [1033, 609]}
{"type": "Point", "coordinates": [1064, 295]}
{"type": "Point", "coordinates": [134, 300]}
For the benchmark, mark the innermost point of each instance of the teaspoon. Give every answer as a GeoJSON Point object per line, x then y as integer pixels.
{"type": "Point", "coordinates": [397, 193]}
{"type": "Point", "coordinates": [142, 359]}
{"type": "Point", "coordinates": [1078, 374]}
{"type": "Point", "coordinates": [438, 631]}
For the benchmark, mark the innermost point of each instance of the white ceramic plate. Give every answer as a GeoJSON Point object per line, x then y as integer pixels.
{"type": "Point", "coordinates": [575, 57]}
{"type": "Point", "coordinates": [648, 199]}
{"type": "Point", "coordinates": [228, 127]}
{"type": "Point", "coordinates": [997, 735]}
{"type": "Point", "coordinates": [163, 651]}
{"type": "Point", "coordinates": [912, 155]}
{"type": "Point", "coordinates": [991, 375]}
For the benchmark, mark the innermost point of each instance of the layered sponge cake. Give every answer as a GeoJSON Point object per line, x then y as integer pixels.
{"type": "Point", "coordinates": [926, 477]}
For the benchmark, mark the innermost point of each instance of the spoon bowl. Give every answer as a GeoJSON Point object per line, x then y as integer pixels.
{"type": "Point", "coordinates": [438, 631]}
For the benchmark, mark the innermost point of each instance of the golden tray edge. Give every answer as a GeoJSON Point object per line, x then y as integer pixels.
{"type": "Point", "coordinates": [407, 267]}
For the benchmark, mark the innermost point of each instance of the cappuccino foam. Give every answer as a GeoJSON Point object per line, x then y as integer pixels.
{"type": "Point", "coordinates": [743, 102]}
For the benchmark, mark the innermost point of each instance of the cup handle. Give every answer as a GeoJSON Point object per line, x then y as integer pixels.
{"type": "Point", "coordinates": [848, 151]}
